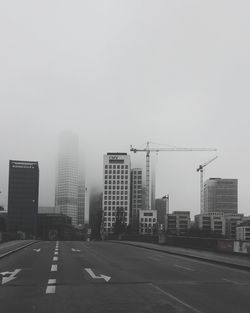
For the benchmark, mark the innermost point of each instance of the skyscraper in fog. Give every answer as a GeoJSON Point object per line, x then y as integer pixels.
{"type": "Point", "coordinates": [116, 194]}
{"type": "Point", "coordinates": [70, 180]}
{"type": "Point", "coordinates": [221, 195]}
{"type": "Point", "coordinates": [136, 197]}
{"type": "Point", "coordinates": [23, 197]}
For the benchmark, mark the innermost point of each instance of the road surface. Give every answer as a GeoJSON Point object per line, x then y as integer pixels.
{"type": "Point", "coordinates": [67, 277]}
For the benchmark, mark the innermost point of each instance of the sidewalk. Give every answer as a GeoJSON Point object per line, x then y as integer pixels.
{"type": "Point", "coordinates": [231, 260]}
{"type": "Point", "coordinates": [9, 247]}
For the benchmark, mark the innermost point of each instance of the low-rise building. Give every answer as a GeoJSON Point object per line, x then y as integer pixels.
{"type": "Point", "coordinates": [148, 222]}
{"type": "Point", "coordinates": [243, 229]}
{"type": "Point", "coordinates": [178, 223]}
{"type": "Point", "coordinates": [211, 222]}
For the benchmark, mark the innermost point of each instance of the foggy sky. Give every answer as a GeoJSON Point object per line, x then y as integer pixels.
{"type": "Point", "coordinates": [125, 72]}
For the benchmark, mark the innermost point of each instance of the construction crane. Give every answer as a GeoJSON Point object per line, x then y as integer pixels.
{"type": "Point", "coordinates": [148, 150]}
{"type": "Point", "coordinates": [201, 170]}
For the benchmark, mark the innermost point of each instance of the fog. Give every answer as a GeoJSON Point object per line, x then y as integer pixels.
{"type": "Point", "coordinates": [126, 72]}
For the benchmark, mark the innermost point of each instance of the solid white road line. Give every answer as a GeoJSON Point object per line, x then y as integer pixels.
{"type": "Point", "coordinates": [53, 268]}
{"type": "Point", "coordinates": [235, 282]}
{"type": "Point", "coordinates": [51, 289]}
{"type": "Point", "coordinates": [184, 267]}
{"type": "Point", "coordinates": [176, 299]}
{"type": "Point", "coordinates": [55, 258]}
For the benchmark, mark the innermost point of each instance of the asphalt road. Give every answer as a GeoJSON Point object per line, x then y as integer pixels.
{"type": "Point", "coordinates": [108, 277]}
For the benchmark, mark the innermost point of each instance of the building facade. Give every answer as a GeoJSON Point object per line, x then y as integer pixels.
{"type": "Point", "coordinates": [221, 195]}
{"type": "Point", "coordinates": [23, 197]}
{"type": "Point", "coordinates": [70, 180]}
{"type": "Point", "coordinates": [178, 223]}
{"type": "Point", "coordinates": [162, 208]}
{"type": "Point", "coordinates": [116, 191]}
{"type": "Point", "coordinates": [136, 197]}
{"type": "Point", "coordinates": [148, 222]}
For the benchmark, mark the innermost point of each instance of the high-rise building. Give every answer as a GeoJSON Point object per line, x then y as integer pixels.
{"type": "Point", "coordinates": [162, 208]}
{"type": "Point", "coordinates": [221, 195]}
{"type": "Point", "coordinates": [116, 193]}
{"type": "Point", "coordinates": [23, 197]}
{"type": "Point", "coordinates": [148, 222]}
{"type": "Point", "coordinates": [70, 180]}
{"type": "Point", "coordinates": [136, 197]}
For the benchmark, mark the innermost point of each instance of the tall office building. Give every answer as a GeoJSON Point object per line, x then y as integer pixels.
{"type": "Point", "coordinates": [23, 197]}
{"type": "Point", "coordinates": [136, 197]}
{"type": "Point", "coordinates": [70, 182]}
{"type": "Point", "coordinates": [116, 194]}
{"type": "Point", "coordinates": [221, 195]}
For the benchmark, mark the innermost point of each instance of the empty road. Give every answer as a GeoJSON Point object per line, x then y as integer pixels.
{"type": "Point", "coordinates": [67, 277]}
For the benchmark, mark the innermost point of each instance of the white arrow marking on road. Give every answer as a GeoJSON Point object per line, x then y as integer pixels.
{"type": "Point", "coordinates": [37, 250]}
{"type": "Point", "coordinates": [92, 274]}
{"type": "Point", "coordinates": [10, 277]}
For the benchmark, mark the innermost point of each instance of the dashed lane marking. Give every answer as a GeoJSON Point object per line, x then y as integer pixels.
{"type": "Point", "coordinates": [50, 289]}
{"type": "Point", "coordinates": [53, 268]}
{"type": "Point", "coordinates": [185, 268]}
{"type": "Point", "coordinates": [55, 258]}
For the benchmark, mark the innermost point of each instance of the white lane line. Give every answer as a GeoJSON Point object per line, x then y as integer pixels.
{"type": "Point", "coordinates": [51, 281]}
{"type": "Point", "coordinates": [176, 299]}
{"type": "Point", "coordinates": [184, 267]}
{"type": "Point", "coordinates": [53, 268]}
{"type": "Point", "coordinates": [50, 289]}
{"type": "Point", "coordinates": [56, 252]}
{"type": "Point", "coordinates": [55, 258]}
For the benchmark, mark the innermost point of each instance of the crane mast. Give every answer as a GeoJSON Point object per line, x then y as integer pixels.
{"type": "Point", "coordinates": [148, 150]}
{"type": "Point", "coordinates": [201, 170]}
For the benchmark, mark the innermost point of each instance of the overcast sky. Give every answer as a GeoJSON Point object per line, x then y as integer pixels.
{"type": "Point", "coordinates": [125, 72]}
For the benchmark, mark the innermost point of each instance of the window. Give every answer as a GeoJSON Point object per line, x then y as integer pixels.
{"type": "Point", "coordinates": [106, 166]}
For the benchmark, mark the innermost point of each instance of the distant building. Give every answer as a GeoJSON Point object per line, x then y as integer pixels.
{"type": "Point", "coordinates": [148, 222]}
{"type": "Point", "coordinates": [178, 223]}
{"type": "Point", "coordinates": [116, 191]}
{"type": "Point", "coordinates": [70, 180]}
{"type": "Point", "coordinates": [213, 222]}
{"type": "Point", "coordinates": [231, 223]}
{"type": "Point", "coordinates": [23, 197]}
{"type": "Point", "coordinates": [243, 229]}
{"type": "Point", "coordinates": [221, 195]}
{"type": "Point", "coordinates": [136, 197]}
{"type": "Point", "coordinates": [162, 208]}
{"type": "Point", "coordinates": [54, 227]}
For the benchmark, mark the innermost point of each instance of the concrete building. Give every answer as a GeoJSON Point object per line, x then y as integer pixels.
{"type": "Point", "coordinates": [231, 223]}
{"type": "Point", "coordinates": [178, 223]}
{"type": "Point", "coordinates": [23, 197]}
{"type": "Point", "coordinates": [116, 191]}
{"type": "Point", "coordinates": [221, 195]}
{"type": "Point", "coordinates": [148, 222]}
{"type": "Point", "coordinates": [243, 229]}
{"type": "Point", "coordinates": [70, 180]}
{"type": "Point", "coordinates": [136, 197]}
{"type": "Point", "coordinates": [213, 222]}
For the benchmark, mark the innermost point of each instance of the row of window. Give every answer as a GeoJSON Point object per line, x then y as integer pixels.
{"type": "Point", "coordinates": [150, 220]}
{"type": "Point", "coordinates": [116, 172]}
{"type": "Point", "coordinates": [116, 202]}
{"type": "Point", "coordinates": [115, 187]}
{"type": "Point", "coordinates": [116, 192]}
{"type": "Point", "coordinates": [116, 177]}
{"type": "Point", "coordinates": [116, 197]}
{"type": "Point", "coordinates": [116, 166]}
{"type": "Point", "coordinates": [115, 182]}
{"type": "Point", "coordinates": [114, 208]}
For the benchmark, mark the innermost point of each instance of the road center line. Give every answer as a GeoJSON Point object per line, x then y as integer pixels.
{"type": "Point", "coordinates": [55, 258]}
{"type": "Point", "coordinates": [53, 268]}
{"type": "Point", "coordinates": [176, 299]}
{"type": "Point", "coordinates": [184, 267]}
{"type": "Point", "coordinates": [50, 289]}
{"type": "Point", "coordinates": [56, 252]}
{"type": "Point", "coordinates": [51, 281]}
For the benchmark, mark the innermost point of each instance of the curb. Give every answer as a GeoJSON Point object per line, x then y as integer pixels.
{"type": "Point", "coordinates": [232, 265]}
{"type": "Point", "coordinates": [17, 249]}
